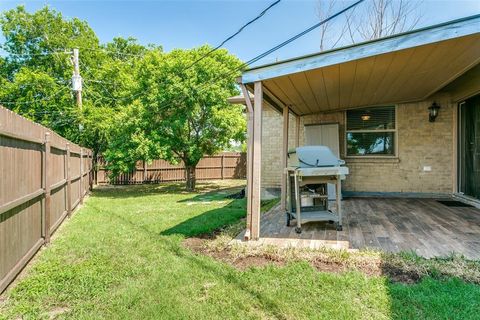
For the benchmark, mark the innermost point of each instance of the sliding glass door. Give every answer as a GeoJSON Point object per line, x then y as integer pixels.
{"type": "Point", "coordinates": [469, 147]}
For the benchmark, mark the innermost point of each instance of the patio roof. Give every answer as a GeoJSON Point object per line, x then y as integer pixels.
{"type": "Point", "coordinates": [402, 68]}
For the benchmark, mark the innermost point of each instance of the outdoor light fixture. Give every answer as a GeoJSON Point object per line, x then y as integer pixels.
{"type": "Point", "coordinates": [433, 111]}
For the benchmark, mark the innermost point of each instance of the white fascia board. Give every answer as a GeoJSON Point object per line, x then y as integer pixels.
{"type": "Point", "coordinates": [425, 36]}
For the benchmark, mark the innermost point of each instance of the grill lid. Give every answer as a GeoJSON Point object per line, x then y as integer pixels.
{"type": "Point", "coordinates": [317, 156]}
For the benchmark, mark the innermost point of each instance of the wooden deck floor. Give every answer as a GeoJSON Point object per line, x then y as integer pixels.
{"type": "Point", "coordinates": [422, 225]}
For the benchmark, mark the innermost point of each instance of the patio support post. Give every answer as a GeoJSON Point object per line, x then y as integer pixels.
{"type": "Point", "coordinates": [248, 103]}
{"type": "Point", "coordinates": [286, 114]}
{"type": "Point", "coordinates": [256, 160]}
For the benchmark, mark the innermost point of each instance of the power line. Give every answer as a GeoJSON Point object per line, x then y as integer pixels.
{"type": "Point", "coordinates": [282, 44]}
{"type": "Point", "coordinates": [34, 54]}
{"type": "Point", "coordinates": [260, 15]}
{"type": "Point", "coordinates": [308, 30]}
{"type": "Point", "coordinates": [104, 50]}
{"type": "Point", "coordinates": [241, 66]}
{"type": "Point", "coordinates": [35, 101]}
{"type": "Point", "coordinates": [254, 59]}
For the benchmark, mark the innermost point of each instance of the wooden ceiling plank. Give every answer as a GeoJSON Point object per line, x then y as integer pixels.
{"type": "Point", "coordinates": [280, 91]}
{"type": "Point", "coordinates": [304, 91]}
{"type": "Point", "coordinates": [435, 68]}
{"type": "Point", "coordinates": [380, 68]}
{"type": "Point", "coordinates": [467, 59]}
{"type": "Point", "coordinates": [315, 79]}
{"type": "Point", "coordinates": [330, 77]}
{"type": "Point", "coordinates": [277, 90]}
{"type": "Point", "coordinates": [362, 76]}
{"type": "Point", "coordinates": [347, 72]}
{"type": "Point", "coordinates": [297, 86]}
{"type": "Point", "coordinates": [419, 57]}
{"type": "Point", "coordinates": [288, 88]}
{"type": "Point", "coordinates": [399, 63]}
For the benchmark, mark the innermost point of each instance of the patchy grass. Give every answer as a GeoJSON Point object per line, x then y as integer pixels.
{"type": "Point", "coordinates": [402, 267]}
{"type": "Point", "coordinates": [122, 256]}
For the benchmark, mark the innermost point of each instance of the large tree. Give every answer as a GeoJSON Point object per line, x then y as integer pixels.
{"type": "Point", "coordinates": [139, 103]}
{"type": "Point", "coordinates": [35, 75]}
{"type": "Point", "coordinates": [182, 111]}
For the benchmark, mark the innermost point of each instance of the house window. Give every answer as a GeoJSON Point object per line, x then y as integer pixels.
{"type": "Point", "coordinates": [371, 131]}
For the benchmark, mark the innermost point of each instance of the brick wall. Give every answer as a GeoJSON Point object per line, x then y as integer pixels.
{"type": "Point", "coordinates": [272, 135]}
{"type": "Point", "coordinates": [420, 143]}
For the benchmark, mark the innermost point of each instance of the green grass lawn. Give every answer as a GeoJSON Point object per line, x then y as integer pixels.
{"type": "Point", "coordinates": [121, 257]}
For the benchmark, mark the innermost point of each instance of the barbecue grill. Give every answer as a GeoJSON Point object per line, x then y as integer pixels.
{"type": "Point", "coordinates": [310, 169]}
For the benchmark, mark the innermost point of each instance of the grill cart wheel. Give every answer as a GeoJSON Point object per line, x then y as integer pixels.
{"type": "Point", "coordinates": [289, 218]}
{"type": "Point", "coordinates": [298, 230]}
{"type": "Point", "coordinates": [339, 227]}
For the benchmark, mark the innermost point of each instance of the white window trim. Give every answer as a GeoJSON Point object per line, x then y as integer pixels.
{"type": "Point", "coordinates": [395, 140]}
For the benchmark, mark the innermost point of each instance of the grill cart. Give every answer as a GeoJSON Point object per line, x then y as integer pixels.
{"type": "Point", "coordinates": [307, 179]}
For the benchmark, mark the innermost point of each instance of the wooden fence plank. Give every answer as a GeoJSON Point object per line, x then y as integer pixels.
{"type": "Point", "coordinates": [48, 198]}
{"type": "Point", "coordinates": [81, 176]}
{"type": "Point", "coordinates": [35, 189]}
{"type": "Point", "coordinates": [69, 181]}
{"type": "Point", "coordinates": [227, 165]}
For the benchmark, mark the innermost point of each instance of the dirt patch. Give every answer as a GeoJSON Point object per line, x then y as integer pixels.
{"type": "Point", "coordinates": [325, 266]}
{"type": "Point", "coordinates": [372, 267]}
{"type": "Point", "coordinates": [56, 312]}
{"type": "Point", "coordinates": [397, 274]}
{"type": "Point", "coordinates": [198, 245]}
{"type": "Point", "coordinates": [254, 261]}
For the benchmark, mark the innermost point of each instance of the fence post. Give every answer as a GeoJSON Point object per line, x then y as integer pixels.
{"type": "Point", "coordinates": [46, 186]}
{"type": "Point", "coordinates": [69, 181]}
{"type": "Point", "coordinates": [144, 171]}
{"type": "Point", "coordinates": [81, 176]}
{"type": "Point", "coordinates": [90, 171]}
{"type": "Point", "coordinates": [223, 165]}
{"type": "Point", "coordinates": [97, 168]}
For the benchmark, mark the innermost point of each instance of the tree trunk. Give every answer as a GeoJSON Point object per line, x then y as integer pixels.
{"type": "Point", "coordinates": [190, 175]}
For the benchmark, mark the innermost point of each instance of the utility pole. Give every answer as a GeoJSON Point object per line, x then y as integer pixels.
{"type": "Point", "coordinates": [77, 79]}
{"type": "Point", "coordinates": [77, 83]}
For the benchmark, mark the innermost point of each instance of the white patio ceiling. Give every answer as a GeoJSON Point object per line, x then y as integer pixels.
{"type": "Point", "coordinates": [401, 68]}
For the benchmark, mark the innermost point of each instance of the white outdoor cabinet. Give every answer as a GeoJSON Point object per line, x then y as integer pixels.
{"type": "Point", "coordinates": [324, 135]}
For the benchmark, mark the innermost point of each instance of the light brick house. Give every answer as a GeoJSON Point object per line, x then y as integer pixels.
{"type": "Point", "coordinates": [393, 82]}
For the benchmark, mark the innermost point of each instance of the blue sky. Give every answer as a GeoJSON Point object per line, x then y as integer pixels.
{"type": "Point", "coordinates": [185, 24]}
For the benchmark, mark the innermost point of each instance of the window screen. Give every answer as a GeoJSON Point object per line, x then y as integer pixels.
{"type": "Point", "coordinates": [371, 131]}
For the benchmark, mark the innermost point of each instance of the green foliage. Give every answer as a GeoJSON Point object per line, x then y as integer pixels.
{"type": "Point", "coordinates": [191, 122]}
{"type": "Point", "coordinates": [183, 113]}
{"type": "Point", "coordinates": [139, 103]}
{"type": "Point", "coordinates": [39, 68]}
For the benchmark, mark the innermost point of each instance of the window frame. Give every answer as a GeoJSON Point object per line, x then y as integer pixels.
{"type": "Point", "coordinates": [370, 156]}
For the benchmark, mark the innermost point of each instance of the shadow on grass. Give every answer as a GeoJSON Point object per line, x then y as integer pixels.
{"type": "Point", "coordinates": [210, 221]}
{"type": "Point", "coordinates": [189, 227]}
{"type": "Point", "coordinates": [214, 195]}
{"type": "Point", "coordinates": [213, 220]}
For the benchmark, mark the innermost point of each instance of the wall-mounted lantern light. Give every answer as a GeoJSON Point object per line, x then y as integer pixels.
{"type": "Point", "coordinates": [433, 112]}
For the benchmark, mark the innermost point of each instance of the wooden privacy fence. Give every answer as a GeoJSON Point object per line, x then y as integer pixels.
{"type": "Point", "coordinates": [44, 177]}
{"type": "Point", "coordinates": [227, 165]}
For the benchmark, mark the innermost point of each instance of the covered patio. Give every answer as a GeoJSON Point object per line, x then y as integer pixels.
{"type": "Point", "coordinates": [424, 226]}
{"type": "Point", "coordinates": [409, 72]}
